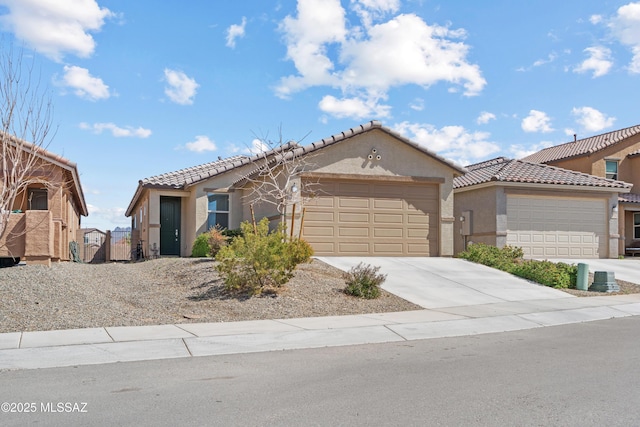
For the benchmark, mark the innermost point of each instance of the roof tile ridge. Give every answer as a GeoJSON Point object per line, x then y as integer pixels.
{"type": "Point", "coordinates": [497, 176]}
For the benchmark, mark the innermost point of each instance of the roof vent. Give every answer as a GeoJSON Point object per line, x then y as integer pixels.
{"type": "Point", "coordinates": [575, 137]}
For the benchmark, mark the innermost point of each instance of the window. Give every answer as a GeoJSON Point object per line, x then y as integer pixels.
{"type": "Point", "coordinates": [218, 210]}
{"type": "Point", "coordinates": [636, 225]}
{"type": "Point", "coordinates": [612, 169]}
{"type": "Point", "coordinates": [38, 199]}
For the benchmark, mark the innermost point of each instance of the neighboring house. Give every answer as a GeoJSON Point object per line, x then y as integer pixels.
{"type": "Point", "coordinates": [614, 155]}
{"type": "Point", "coordinates": [46, 217]}
{"type": "Point", "coordinates": [377, 193]}
{"type": "Point", "coordinates": [548, 211]}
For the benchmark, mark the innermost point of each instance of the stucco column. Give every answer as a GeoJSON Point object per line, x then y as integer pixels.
{"type": "Point", "coordinates": [614, 234]}
{"type": "Point", "coordinates": [501, 218]}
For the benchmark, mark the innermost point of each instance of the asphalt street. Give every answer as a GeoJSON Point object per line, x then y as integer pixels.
{"type": "Point", "coordinates": [572, 375]}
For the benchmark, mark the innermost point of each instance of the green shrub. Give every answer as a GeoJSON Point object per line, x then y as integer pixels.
{"type": "Point", "coordinates": [548, 273]}
{"type": "Point", "coordinates": [364, 281]}
{"type": "Point", "coordinates": [200, 246]}
{"type": "Point", "coordinates": [259, 260]}
{"type": "Point", "coordinates": [501, 258]}
{"type": "Point", "coordinates": [209, 243]}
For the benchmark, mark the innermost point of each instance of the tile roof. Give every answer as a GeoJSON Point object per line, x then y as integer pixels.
{"type": "Point", "coordinates": [506, 170]}
{"type": "Point", "coordinates": [629, 198]}
{"type": "Point", "coordinates": [634, 154]}
{"type": "Point", "coordinates": [582, 146]}
{"type": "Point", "coordinates": [186, 177]}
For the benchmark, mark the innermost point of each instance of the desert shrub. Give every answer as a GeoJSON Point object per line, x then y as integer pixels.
{"type": "Point", "coordinates": [548, 273]}
{"type": "Point", "coordinates": [209, 243]}
{"type": "Point", "coordinates": [259, 260]}
{"type": "Point", "coordinates": [501, 258]}
{"type": "Point", "coordinates": [364, 281]}
{"type": "Point", "coordinates": [216, 240]}
{"type": "Point", "coordinates": [200, 246]}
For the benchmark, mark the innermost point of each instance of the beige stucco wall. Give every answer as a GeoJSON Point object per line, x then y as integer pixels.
{"type": "Point", "coordinates": [595, 163]}
{"type": "Point", "coordinates": [482, 204]}
{"type": "Point", "coordinates": [489, 206]}
{"type": "Point", "coordinates": [44, 236]}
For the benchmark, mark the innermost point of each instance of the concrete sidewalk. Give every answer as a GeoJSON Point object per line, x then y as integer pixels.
{"type": "Point", "coordinates": [31, 350]}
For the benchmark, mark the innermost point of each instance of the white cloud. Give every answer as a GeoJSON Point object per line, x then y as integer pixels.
{"type": "Point", "coordinates": [370, 10]}
{"type": "Point", "coordinates": [84, 84]}
{"type": "Point", "coordinates": [518, 151]}
{"type": "Point", "coordinates": [485, 117]}
{"type": "Point", "coordinates": [599, 61]}
{"type": "Point", "coordinates": [101, 217]}
{"type": "Point", "coordinates": [626, 27]}
{"type": "Point", "coordinates": [257, 146]}
{"type": "Point", "coordinates": [591, 119]}
{"type": "Point", "coordinates": [452, 142]}
{"type": "Point", "coordinates": [55, 28]}
{"type": "Point", "coordinates": [417, 104]}
{"type": "Point", "coordinates": [370, 60]}
{"type": "Point", "coordinates": [595, 19]}
{"type": "Point", "coordinates": [355, 108]}
{"type": "Point", "coordinates": [181, 88]}
{"type": "Point", "coordinates": [235, 31]}
{"type": "Point", "coordinates": [202, 143]}
{"type": "Point", "coordinates": [536, 121]}
{"type": "Point", "coordinates": [116, 131]}
{"type": "Point", "coordinates": [552, 57]}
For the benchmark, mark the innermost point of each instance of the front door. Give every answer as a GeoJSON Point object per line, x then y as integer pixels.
{"type": "Point", "coordinates": [170, 226]}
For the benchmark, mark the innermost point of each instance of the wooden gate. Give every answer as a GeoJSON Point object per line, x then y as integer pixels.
{"type": "Point", "coordinates": [100, 246]}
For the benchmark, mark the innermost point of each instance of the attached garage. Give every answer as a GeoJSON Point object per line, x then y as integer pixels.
{"type": "Point", "coordinates": [363, 218]}
{"type": "Point", "coordinates": [547, 211]}
{"type": "Point", "coordinates": [557, 227]}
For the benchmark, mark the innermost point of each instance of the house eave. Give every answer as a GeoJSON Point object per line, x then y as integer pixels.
{"type": "Point", "coordinates": [538, 186]}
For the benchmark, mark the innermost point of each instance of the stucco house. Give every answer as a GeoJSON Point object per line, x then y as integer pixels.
{"type": "Point", "coordinates": [614, 155]}
{"type": "Point", "coordinates": [47, 215]}
{"type": "Point", "coordinates": [376, 193]}
{"type": "Point", "coordinates": [548, 211]}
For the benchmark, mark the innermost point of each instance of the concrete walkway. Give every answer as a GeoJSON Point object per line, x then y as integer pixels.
{"type": "Point", "coordinates": [31, 350]}
{"type": "Point", "coordinates": [449, 282]}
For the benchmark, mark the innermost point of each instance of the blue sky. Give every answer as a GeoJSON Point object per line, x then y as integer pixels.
{"type": "Point", "coordinates": [145, 87]}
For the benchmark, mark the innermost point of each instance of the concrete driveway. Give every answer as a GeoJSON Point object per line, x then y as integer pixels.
{"type": "Point", "coordinates": [627, 269]}
{"type": "Point", "coordinates": [448, 282]}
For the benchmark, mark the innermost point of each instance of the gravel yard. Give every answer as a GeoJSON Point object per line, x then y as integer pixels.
{"type": "Point", "coordinates": [173, 290]}
{"type": "Point", "coordinates": [165, 291]}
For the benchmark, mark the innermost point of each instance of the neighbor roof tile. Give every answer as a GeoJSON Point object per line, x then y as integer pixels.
{"type": "Point", "coordinates": [506, 170]}
{"type": "Point", "coordinates": [582, 146]}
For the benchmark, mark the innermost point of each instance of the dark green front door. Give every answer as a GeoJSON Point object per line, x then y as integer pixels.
{"type": "Point", "coordinates": [169, 225]}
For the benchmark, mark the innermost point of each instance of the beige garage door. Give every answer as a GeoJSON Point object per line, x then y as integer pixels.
{"type": "Point", "coordinates": [379, 219]}
{"type": "Point", "coordinates": [552, 227]}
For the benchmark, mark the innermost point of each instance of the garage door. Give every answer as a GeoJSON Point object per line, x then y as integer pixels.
{"type": "Point", "coordinates": [552, 227]}
{"type": "Point", "coordinates": [349, 218]}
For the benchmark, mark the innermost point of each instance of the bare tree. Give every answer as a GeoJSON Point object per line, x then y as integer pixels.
{"type": "Point", "coordinates": [25, 114]}
{"type": "Point", "coordinates": [277, 177]}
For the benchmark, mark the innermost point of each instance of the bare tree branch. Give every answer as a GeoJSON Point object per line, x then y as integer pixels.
{"type": "Point", "coordinates": [25, 132]}
{"type": "Point", "coordinates": [276, 179]}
